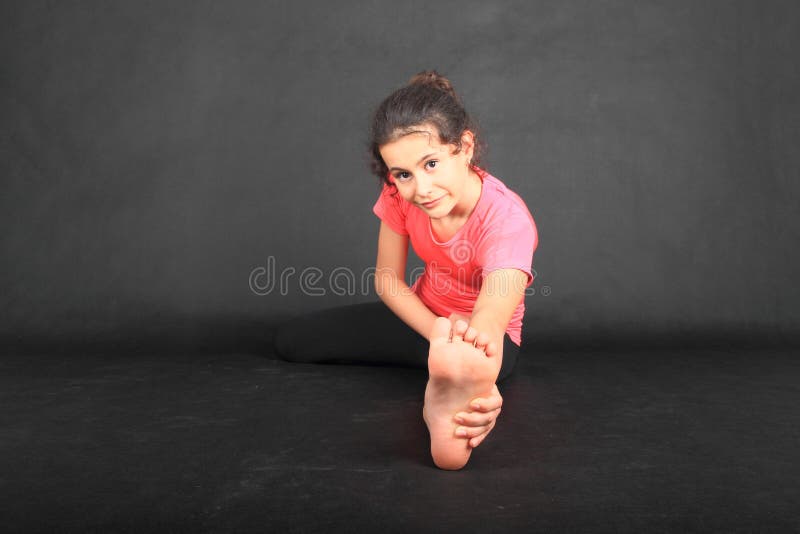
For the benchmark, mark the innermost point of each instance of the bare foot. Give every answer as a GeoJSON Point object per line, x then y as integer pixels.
{"type": "Point", "coordinates": [458, 372]}
{"type": "Point", "coordinates": [479, 420]}
{"type": "Point", "coordinates": [471, 335]}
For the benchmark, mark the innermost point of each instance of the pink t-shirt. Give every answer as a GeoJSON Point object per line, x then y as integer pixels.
{"type": "Point", "coordinates": [499, 234]}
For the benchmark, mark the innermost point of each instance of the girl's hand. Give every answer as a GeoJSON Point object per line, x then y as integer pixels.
{"type": "Point", "coordinates": [480, 420]}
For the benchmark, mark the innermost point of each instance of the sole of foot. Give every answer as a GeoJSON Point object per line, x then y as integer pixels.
{"type": "Point", "coordinates": [458, 372]}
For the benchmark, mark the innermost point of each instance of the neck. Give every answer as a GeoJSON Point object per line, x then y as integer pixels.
{"type": "Point", "coordinates": [472, 193]}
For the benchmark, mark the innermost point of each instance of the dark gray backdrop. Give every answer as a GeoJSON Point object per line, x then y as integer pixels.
{"type": "Point", "coordinates": [154, 156]}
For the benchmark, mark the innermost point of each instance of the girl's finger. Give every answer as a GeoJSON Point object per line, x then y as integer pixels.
{"type": "Point", "coordinates": [477, 440]}
{"type": "Point", "coordinates": [476, 419]}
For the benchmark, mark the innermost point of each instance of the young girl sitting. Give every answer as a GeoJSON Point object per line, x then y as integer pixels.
{"type": "Point", "coordinates": [462, 318]}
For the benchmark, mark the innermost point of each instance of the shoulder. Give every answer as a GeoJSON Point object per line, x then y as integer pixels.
{"type": "Point", "coordinates": [508, 234]}
{"type": "Point", "coordinates": [503, 205]}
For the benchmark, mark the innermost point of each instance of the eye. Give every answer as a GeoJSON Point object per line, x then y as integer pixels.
{"type": "Point", "coordinates": [432, 162]}
{"type": "Point", "coordinates": [402, 176]}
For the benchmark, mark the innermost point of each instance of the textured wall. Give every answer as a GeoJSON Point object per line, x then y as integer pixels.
{"type": "Point", "coordinates": [153, 155]}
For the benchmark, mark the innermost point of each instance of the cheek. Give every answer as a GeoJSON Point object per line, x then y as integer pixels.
{"type": "Point", "coordinates": [406, 191]}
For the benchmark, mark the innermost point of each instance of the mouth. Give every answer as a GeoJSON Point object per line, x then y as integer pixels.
{"type": "Point", "coordinates": [432, 203]}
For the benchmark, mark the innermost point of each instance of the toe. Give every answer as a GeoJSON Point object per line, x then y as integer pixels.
{"type": "Point", "coordinates": [441, 330]}
{"type": "Point", "coordinates": [459, 329]}
{"type": "Point", "coordinates": [482, 340]}
{"type": "Point", "coordinates": [470, 335]}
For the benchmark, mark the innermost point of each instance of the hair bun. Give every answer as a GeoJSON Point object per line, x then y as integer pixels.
{"type": "Point", "coordinates": [434, 79]}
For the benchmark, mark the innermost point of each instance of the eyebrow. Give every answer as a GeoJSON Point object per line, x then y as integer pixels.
{"type": "Point", "coordinates": [423, 158]}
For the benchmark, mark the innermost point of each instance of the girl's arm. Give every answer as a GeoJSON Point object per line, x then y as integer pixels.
{"type": "Point", "coordinates": [390, 284]}
{"type": "Point", "coordinates": [501, 293]}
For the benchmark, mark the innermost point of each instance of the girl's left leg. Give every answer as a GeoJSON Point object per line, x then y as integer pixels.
{"type": "Point", "coordinates": [367, 333]}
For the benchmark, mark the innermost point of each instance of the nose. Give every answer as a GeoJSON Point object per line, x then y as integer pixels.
{"type": "Point", "coordinates": [424, 185]}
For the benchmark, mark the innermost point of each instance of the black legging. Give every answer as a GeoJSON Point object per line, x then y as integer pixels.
{"type": "Point", "coordinates": [367, 333]}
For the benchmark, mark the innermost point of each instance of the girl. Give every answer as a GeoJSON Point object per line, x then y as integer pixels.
{"type": "Point", "coordinates": [462, 318]}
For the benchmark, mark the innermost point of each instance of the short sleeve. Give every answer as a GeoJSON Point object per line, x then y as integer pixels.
{"type": "Point", "coordinates": [389, 209]}
{"type": "Point", "coordinates": [509, 244]}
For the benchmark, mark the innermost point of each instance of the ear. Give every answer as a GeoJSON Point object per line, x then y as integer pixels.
{"type": "Point", "coordinates": [468, 143]}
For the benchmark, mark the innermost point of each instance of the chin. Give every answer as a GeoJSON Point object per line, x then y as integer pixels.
{"type": "Point", "coordinates": [438, 213]}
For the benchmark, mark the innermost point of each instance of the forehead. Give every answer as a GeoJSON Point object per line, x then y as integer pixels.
{"type": "Point", "coordinates": [410, 147]}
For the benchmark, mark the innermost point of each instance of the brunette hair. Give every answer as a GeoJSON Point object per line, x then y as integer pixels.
{"type": "Point", "coordinates": [427, 99]}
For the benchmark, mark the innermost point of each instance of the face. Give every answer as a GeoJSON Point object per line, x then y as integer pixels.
{"type": "Point", "coordinates": [428, 174]}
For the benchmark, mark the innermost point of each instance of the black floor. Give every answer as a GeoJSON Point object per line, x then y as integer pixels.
{"type": "Point", "coordinates": [644, 441]}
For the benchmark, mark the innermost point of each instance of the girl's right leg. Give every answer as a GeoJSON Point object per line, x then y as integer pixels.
{"type": "Point", "coordinates": [367, 333]}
